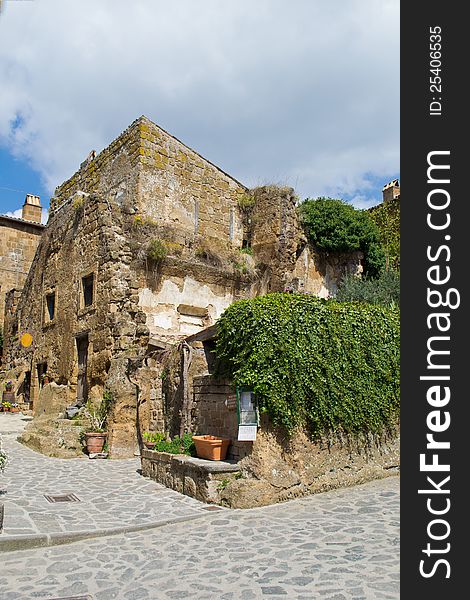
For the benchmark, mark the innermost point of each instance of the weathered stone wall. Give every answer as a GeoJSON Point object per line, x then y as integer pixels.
{"type": "Point", "coordinates": [283, 256]}
{"type": "Point", "coordinates": [148, 187]}
{"type": "Point", "coordinates": [79, 240]}
{"type": "Point", "coordinates": [200, 479]}
{"type": "Point", "coordinates": [278, 469]}
{"type": "Point", "coordinates": [152, 174]}
{"type": "Point", "coordinates": [281, 468]}
{"type": "Point", "coordinates": [112, 173]}
{"type": "Point", "coordinates": [18, 243]}
{"type": "Point", "coordinates": [185, 191]}
{"type": "Point", "coordinates": [188, 297]}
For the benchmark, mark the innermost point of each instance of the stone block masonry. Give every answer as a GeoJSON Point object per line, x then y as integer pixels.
{"type": "Point", "coordinates": [18, 242]}
{"type": "Point", "coordinates": [152, 173]}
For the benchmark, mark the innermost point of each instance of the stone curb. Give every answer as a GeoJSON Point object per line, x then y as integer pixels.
{"type": "Point", "coordinates": [42, 540]}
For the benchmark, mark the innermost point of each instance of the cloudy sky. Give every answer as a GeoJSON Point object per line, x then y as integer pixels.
{"type": "Point", "coordinates": [303, 93]}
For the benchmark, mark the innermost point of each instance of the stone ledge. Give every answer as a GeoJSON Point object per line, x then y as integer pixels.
{"type": "Point", "coordinates": [195, 477]}
{"type": "Point", "coordinates": [210, 466]}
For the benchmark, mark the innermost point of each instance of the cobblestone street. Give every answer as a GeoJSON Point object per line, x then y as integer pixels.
{"type": "Point", "coordinates": [339, 545]}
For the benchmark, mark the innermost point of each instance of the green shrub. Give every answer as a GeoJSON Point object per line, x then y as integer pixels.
{"type": "Point", "coordinates": [384, 290]}
{"type": "Point", "coordinates": [156, 250]}
{"type": "Point", "coordinates": [177, 445]}
{"type": "Point", "coordinates": [322, 364]}
{"type": "Point", "coordinates": [246, 201]}
{"type": "Point", "coordinates": [336, 226]}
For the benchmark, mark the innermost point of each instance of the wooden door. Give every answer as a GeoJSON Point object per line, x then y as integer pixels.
{"type": "Point", "coordinates": [82, 350]}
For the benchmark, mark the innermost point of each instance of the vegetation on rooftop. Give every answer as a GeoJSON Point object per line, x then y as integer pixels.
{"type": "Point", "coordinates": [336, 226]}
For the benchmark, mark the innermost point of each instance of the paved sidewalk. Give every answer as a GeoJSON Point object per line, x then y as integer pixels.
{"type": "Point", "coordinates": [113, 496]}
{"type": "Point", "coordinates": [341, 545]}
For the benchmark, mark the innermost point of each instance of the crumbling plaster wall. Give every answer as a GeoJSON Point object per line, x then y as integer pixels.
{"type": "Point", "coordinates": [184, 303]}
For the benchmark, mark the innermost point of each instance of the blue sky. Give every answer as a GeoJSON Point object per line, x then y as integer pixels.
{"type": "Point", "coordinates": [304, 93]}
{"type": "Point", "coordinates": [16, 179]}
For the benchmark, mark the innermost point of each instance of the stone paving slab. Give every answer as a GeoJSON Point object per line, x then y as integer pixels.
{"type": "Point", "coordinates": [340, 545]}
{"type": "Point", "coordinates": [112, 494]}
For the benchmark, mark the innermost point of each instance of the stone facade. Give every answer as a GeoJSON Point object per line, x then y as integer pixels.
{"type": "Point", "coordinates": [19, 239]}
{"type": "Point", "coordinates": [146, 244]}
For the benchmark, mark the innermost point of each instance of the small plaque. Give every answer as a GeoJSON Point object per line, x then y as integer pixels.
{"type": "Point", "coordinates": [231, 402]}
{"type": "Point", "coordinates": [247, 433]}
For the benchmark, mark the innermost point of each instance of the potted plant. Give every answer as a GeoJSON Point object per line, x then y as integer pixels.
{"type": "Point", "coordinates": [14, 408]}
{"type": "Point", "coordinates": [95, 435]}
{"type": "Point", "coordinates": [8, 386]}
{"type": "Point", "coordinates": [211, 447]}
{"type": "Point", "coordinates": [152, 438]}
{"type": "Point", "coordinates": [6, 406]}
{"type": "Point", "coordinates": [46, 378]}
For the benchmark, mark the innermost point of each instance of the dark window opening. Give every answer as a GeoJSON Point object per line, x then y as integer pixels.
{"type": "Point", "coordinates": [25, 387]}
{"type": "Point", "coordinates": [50, 303]}
{"type": "Point", "coordinates": [87, 286]}
{"type": "Point", "coordinates": [42, 370]}
{"type": "Point", "coordinates": [246, 243]}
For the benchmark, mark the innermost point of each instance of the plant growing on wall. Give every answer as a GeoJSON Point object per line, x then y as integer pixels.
{"type": "Point", "coordinates": [336, 226]}
{"type": "Point", "coordinates": [156, 250]}
{"type": "Point", "coordinates": [384, 290]}
{"type": "Point", "coordinates": [387, 218]}
{"type": "Point", "coordinates": [326, 365]}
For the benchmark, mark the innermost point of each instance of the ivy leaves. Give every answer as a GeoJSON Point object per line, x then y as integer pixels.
{"type": "Point", "coordinates": [322, 364]}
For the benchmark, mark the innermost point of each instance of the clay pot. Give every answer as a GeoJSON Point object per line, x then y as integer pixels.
{"type": "Point", "coordinates": [211, 447]}
{"type": "Point", "coordinates": [150, 445]}
{"type": "Point", "coordinates": [14, 409]}
{"type": "Point", "coordinates": [95, 442]}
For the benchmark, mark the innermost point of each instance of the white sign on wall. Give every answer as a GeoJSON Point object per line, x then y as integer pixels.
{"type": "Point", "coordinates": [247, 433]}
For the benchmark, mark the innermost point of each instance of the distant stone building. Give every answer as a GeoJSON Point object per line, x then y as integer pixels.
{"type": "Point", "coordinates": [147, 244]}
{"type": "Point", "coordinates": [19, 239]}
{"type": "Point", "coordinates": [391, 191]}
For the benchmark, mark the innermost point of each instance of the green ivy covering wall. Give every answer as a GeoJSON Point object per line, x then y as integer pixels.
{"type": "Point", "coordinates": [322, 364]}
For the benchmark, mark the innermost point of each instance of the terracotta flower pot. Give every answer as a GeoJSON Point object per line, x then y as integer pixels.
{"type": "Point", "coordinates": [95, 442]}
{"type": "Point", "coordinates": [150, 445]}
{"type": "Point", "coordinates": [14, 409]}
{"type": "Point", "coordinates": [211, 447]}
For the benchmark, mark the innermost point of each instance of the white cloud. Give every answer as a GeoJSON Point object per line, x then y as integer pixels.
{"type": "Point", "coordinates": [17, 214]}
{"type": "Point", "coordinates": [304, 92]}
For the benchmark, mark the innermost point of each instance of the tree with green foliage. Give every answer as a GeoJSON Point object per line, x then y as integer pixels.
{"type": "Point", "coordinates": [384, 290]}
{"type": "Point", "coordinates": [320, 364]}
{"type": "Point", "coordinates": [336, 226]}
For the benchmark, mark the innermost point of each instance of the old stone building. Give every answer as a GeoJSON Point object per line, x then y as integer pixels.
{"type": "Point", "coordinates": [19, 239]}
{"type": "Point", "coordinates": [146, 245]}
